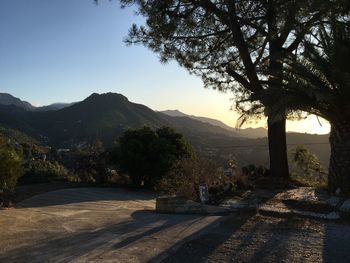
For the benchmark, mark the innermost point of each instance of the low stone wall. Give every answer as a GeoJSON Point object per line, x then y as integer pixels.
{"type": "Point", "coordinates": [180, 205]}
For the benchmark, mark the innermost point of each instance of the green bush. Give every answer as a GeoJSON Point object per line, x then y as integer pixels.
{"type": "Point", "coordinates": [309, 171]}
{"type": "Point", "coordinates": [146, 155]}
{"type": "Point", "coordinates": [10, 166]}
{"type": "Point", "coordinates": [40, 171]}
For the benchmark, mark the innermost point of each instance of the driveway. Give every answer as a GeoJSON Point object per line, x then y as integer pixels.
{"type": "Point", "coordinates": [94, 225]}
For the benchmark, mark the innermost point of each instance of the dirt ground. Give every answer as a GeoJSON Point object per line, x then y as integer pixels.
{"type": "Point", "coordinates": [93, 225]}
{"type": "Point", "coordinates": [256, 238]}
{"type": "Point", "coordinates": [23, 192]}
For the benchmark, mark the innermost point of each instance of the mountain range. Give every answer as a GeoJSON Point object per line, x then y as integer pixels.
{"type": "Point", "coordinates": [8, 99]}
{"type": "Point", "coordinates": [107, 116]}
{"type": "Point", "coordinates": [247, 133]}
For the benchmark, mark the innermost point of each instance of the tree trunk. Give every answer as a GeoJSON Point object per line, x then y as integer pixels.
{"type": "Point", "coordinates": [339, 165]}
{"type": "Point", "coordinates": [278, 151]}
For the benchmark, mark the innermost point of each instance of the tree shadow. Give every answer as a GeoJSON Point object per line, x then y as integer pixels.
{"type": "Point", "coordinates": [81, 195]}
{"type": "Point", "coordinates": [203, 245]}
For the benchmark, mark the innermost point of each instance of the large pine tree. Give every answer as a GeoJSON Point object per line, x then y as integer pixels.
{"type": "Point", "coordinates": [232, 44]}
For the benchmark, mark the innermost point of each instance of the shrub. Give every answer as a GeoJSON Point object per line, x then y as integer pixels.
{"type": "Point", "coordinates": [40, 171]}
{"type": "Point", "coordinates": [309, 169]}
{"type": "Point", "coordinates": [255, 176]}
{"type": "Point", "coordinates": [10, 166]}
{"type": "Point", "coordinates": [186, 175]}
{"type": "Point", "coordinates": [115, 178]}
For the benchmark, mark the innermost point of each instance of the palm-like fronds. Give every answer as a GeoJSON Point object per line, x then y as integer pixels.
{"type": "Point", "coordinates": [319, 81]}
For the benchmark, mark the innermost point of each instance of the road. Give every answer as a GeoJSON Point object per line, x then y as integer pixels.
{"type": "Point", "coordinates": [94, 225]}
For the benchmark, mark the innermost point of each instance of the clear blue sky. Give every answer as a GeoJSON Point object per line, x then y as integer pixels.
{"type": "Point", "coordinates": [64, 50]}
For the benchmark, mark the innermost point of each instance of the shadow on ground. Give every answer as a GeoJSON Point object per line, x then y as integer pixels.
{"type": "Point", "coordinates": [112, 238]}
{"type": "Point", "coordinates": [72, 196]}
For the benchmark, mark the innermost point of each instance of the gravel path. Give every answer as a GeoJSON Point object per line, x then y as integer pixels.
{"type": "Point", "coordinates": [256, 238]}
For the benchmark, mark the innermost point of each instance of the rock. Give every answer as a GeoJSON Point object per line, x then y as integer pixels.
{"type": "Point", "coordinates": [235, 204]}
{"type": "Point", "coordinates": [333, 201]}
{"type": "Point", "coordinates": [345, 208]}
{"type": "Point", "coordinates": [338, 191]}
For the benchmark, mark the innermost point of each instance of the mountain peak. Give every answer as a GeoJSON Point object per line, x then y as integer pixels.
{"type": "Point", "coordinates": [106, 97]}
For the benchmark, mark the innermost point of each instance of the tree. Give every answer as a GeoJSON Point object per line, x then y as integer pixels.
{"type": "Point", "coordinates": [10, 166]}
{"type": "Point", "coordinates": [318, 82]}
{"type": "Point", "coordinates": [146, 155]}
{"type": "Point", "coordinates": [238, 45]}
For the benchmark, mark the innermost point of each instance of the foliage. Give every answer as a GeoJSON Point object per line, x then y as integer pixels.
{"type": "Point", "coordinates": [312, 171]}
{"type": "Point", "coordinates": [10, 166]}
{"type": "Point", "coordinates": [186, 175]}
{"type": "Point", "coordinates": [317, 81]}
{"type": "Point", "coordinates": [89, 164]}
{"type": "Point", "coordinates": [146, 155]}
{"type": "Point", "coordinates": [254, 176]}
{"type": "Point", "coordinates": [40, 171]}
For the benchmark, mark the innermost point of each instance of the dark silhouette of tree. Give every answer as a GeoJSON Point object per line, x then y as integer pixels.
{"type": "Point", "coordinates": [146, 155]}
{"type": "Point", "coordinates": [318, 82]}
{"type": "Point", "coordinates": [237, 45]}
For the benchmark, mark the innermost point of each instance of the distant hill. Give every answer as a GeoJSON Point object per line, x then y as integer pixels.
{"type": "Point", "coordinates": [177, 113]}
{"type": "Point", "coordinates": [54, 106]}
{"type": "Point", "coordinates": [107, 116]}
{"type": "Point", "coordinates": [8, 99]}
{"type": "Point", "coordinates": [247, 133]}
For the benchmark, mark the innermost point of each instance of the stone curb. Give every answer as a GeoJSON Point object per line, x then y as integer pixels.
{"type": "Point", "coordinates": [179, 205]}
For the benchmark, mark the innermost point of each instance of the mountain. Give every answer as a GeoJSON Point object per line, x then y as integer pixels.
{"type": "Point", "coordinates": [252, 132]}
{"type": "Point", "coordinates": [8, 99]}
{"type": "Point", "coordinates": [107, 116]}
{"type": "Point", "coordinates": [177, 113]}
{"type": "Point", "coordinates": [103, 116]}
{"type": "Point", "coordinates": [247, 133]}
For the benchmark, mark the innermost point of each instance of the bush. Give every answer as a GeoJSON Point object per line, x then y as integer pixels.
{"type": "Point", "coordinates": [146, 155]}
{"type": "Point", "coordinates": [115, 178]}
{"type": "Point", "coordinates": [186, 175]}
{"type": "Point", "coordinates": [10, 166]}
{"type": "Point", "coordinates": [39, 171]}
{"type": "Point", "coordinates": [309, 169]}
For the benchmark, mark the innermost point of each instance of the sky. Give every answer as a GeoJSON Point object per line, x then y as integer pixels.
{"type": "Point", "coordinates": [64, 50]}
